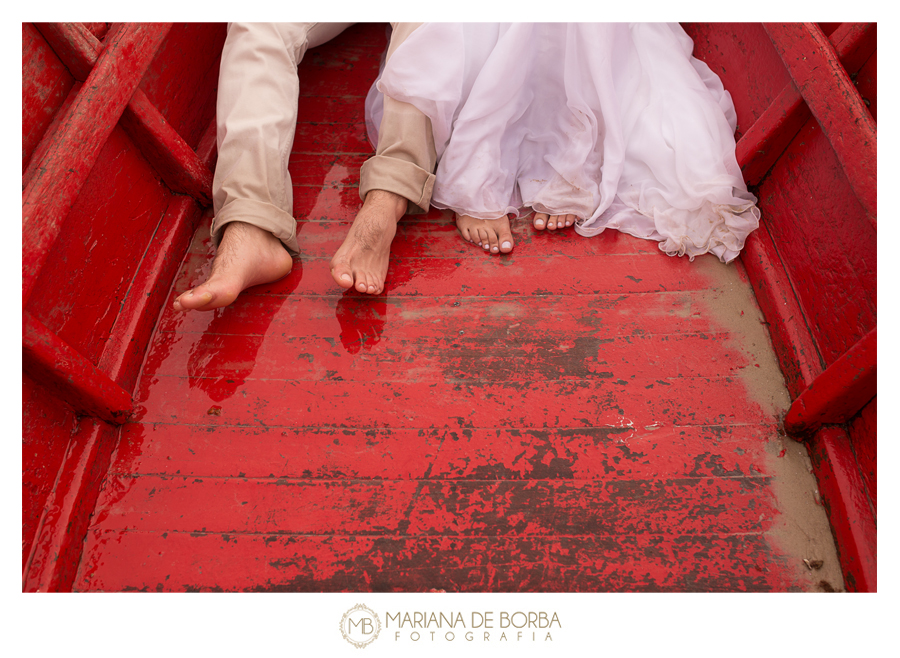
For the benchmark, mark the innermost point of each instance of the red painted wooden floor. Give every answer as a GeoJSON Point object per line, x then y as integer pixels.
{"type": "Point", "coordinates": [581, 415]}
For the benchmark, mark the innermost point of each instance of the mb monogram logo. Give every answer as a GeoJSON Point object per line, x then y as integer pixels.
{"type": "Point", "coordinates": [360, 626]}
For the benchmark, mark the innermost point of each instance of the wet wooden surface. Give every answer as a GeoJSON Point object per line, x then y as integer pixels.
{"type": "Point", "coordinates": [570, 417]}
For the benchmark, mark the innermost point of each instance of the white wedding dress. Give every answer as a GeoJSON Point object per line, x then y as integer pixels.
{"type": "Point", "coordinates": [615, 123]}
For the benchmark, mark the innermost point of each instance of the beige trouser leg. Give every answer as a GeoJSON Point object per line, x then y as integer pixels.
{"type": "Point", "coordinates": [404, 160]}
{"type": "Point", "coordinates": [256, 115]}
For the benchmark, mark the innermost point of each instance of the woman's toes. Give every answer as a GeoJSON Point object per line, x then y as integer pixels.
{"type": "Point", "coordinates": [494, 242]}
{"type": "Point", "coordinates": [540, 221]}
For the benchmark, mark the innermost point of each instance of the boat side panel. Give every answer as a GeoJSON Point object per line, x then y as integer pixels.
{"type": "Point", "coordinates": [45, 85]}
{"type": "Point", "coordinates": [191, 51]}
{"type": "Point", "coordinates": [863, 431]}
{"type": "Point", "coordinates": [86, 288]}
{"type": "Point", "coordinates": [46, 429]}
{"type": "Point", "coordinates": [825, 241]}
{"type": "Point", "coordinates": [734, 51]}
{"type": "Point", "coordinates": [87, 275]}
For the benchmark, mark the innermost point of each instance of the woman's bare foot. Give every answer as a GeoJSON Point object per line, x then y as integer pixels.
{"type": "Point", "coordinates": [247, 256]}
{"type": "Point", "coordinates": [493, 235]}
{"type": "Point", "coordinates": [361, 262]}
{"type": "Point", "coordinates": [552, 222]}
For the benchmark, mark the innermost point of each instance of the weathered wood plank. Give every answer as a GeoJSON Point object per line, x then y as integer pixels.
{"type": "Point", "coordinates": [593, 453]}
{"type": "Point", "coordinates": [404, 404]}
{"type": "Point", "coordinates": [296, 563]}
{"type": "Point", "coordinates": [736, 504]}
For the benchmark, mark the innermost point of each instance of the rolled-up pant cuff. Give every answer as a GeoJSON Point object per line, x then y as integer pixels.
{"type": "Point", "coordinates": [400, 177]}
{"type": "Point", "coordinates": [260, 214]}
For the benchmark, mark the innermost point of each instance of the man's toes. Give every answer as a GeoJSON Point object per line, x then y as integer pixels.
{"type": "Point", "coordinates": [540, 221]}
{"type": "Point", "coordinates": [194, 300]}
{"type": "Point", "coordinates": [342, 275]}
{"type": "Point", "coordinates": [370, 284]}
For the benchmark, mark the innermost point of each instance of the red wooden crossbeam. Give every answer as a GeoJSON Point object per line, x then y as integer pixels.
{"type": "Point", "coordinates": [838, 393]}
{"type": "Point", "coordinates": [55, 363]}
{"type": "Point", "coordinates": [74, 44]}
{"type": "Point", "coordinates": [770, 134]}
{"type": "Point", "coordinates": [175, 161]}
{"type": "Point", "coordinates": [75, 147]}
{"type": "Point", "coordinates": [834, 101]}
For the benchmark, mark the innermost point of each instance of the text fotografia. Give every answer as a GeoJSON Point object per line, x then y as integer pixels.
{"type": "Point", "coordinates": [479, 626]}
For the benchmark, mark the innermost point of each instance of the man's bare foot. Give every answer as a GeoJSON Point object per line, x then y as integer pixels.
{"type": "Point", "coordinates": [247, 256]}
{"type": "Point", "coordinates": [552, 222]}
{"type": "Point", "coordinates": [493, 235]}
{"type": "Point", "coordinates": [361, 262]}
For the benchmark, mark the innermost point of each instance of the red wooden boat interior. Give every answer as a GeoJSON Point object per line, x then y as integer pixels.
{"type": "Point", "coordinates": [580, 415]}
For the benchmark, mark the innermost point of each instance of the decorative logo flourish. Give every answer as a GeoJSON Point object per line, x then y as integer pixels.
{"type": "Point", "coordinates": [360, 626]}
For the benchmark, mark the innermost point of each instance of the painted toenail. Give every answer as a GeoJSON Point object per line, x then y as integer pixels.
{"type": "Point", "coordinates": [506, 245]}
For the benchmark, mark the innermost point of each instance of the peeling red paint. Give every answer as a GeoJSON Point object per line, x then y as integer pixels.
{"type": "Point", "coordinates": [572, 417]}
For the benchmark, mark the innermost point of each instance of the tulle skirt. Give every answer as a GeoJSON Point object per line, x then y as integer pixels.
{"type": "Point", "coordinates": [615, 123]}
